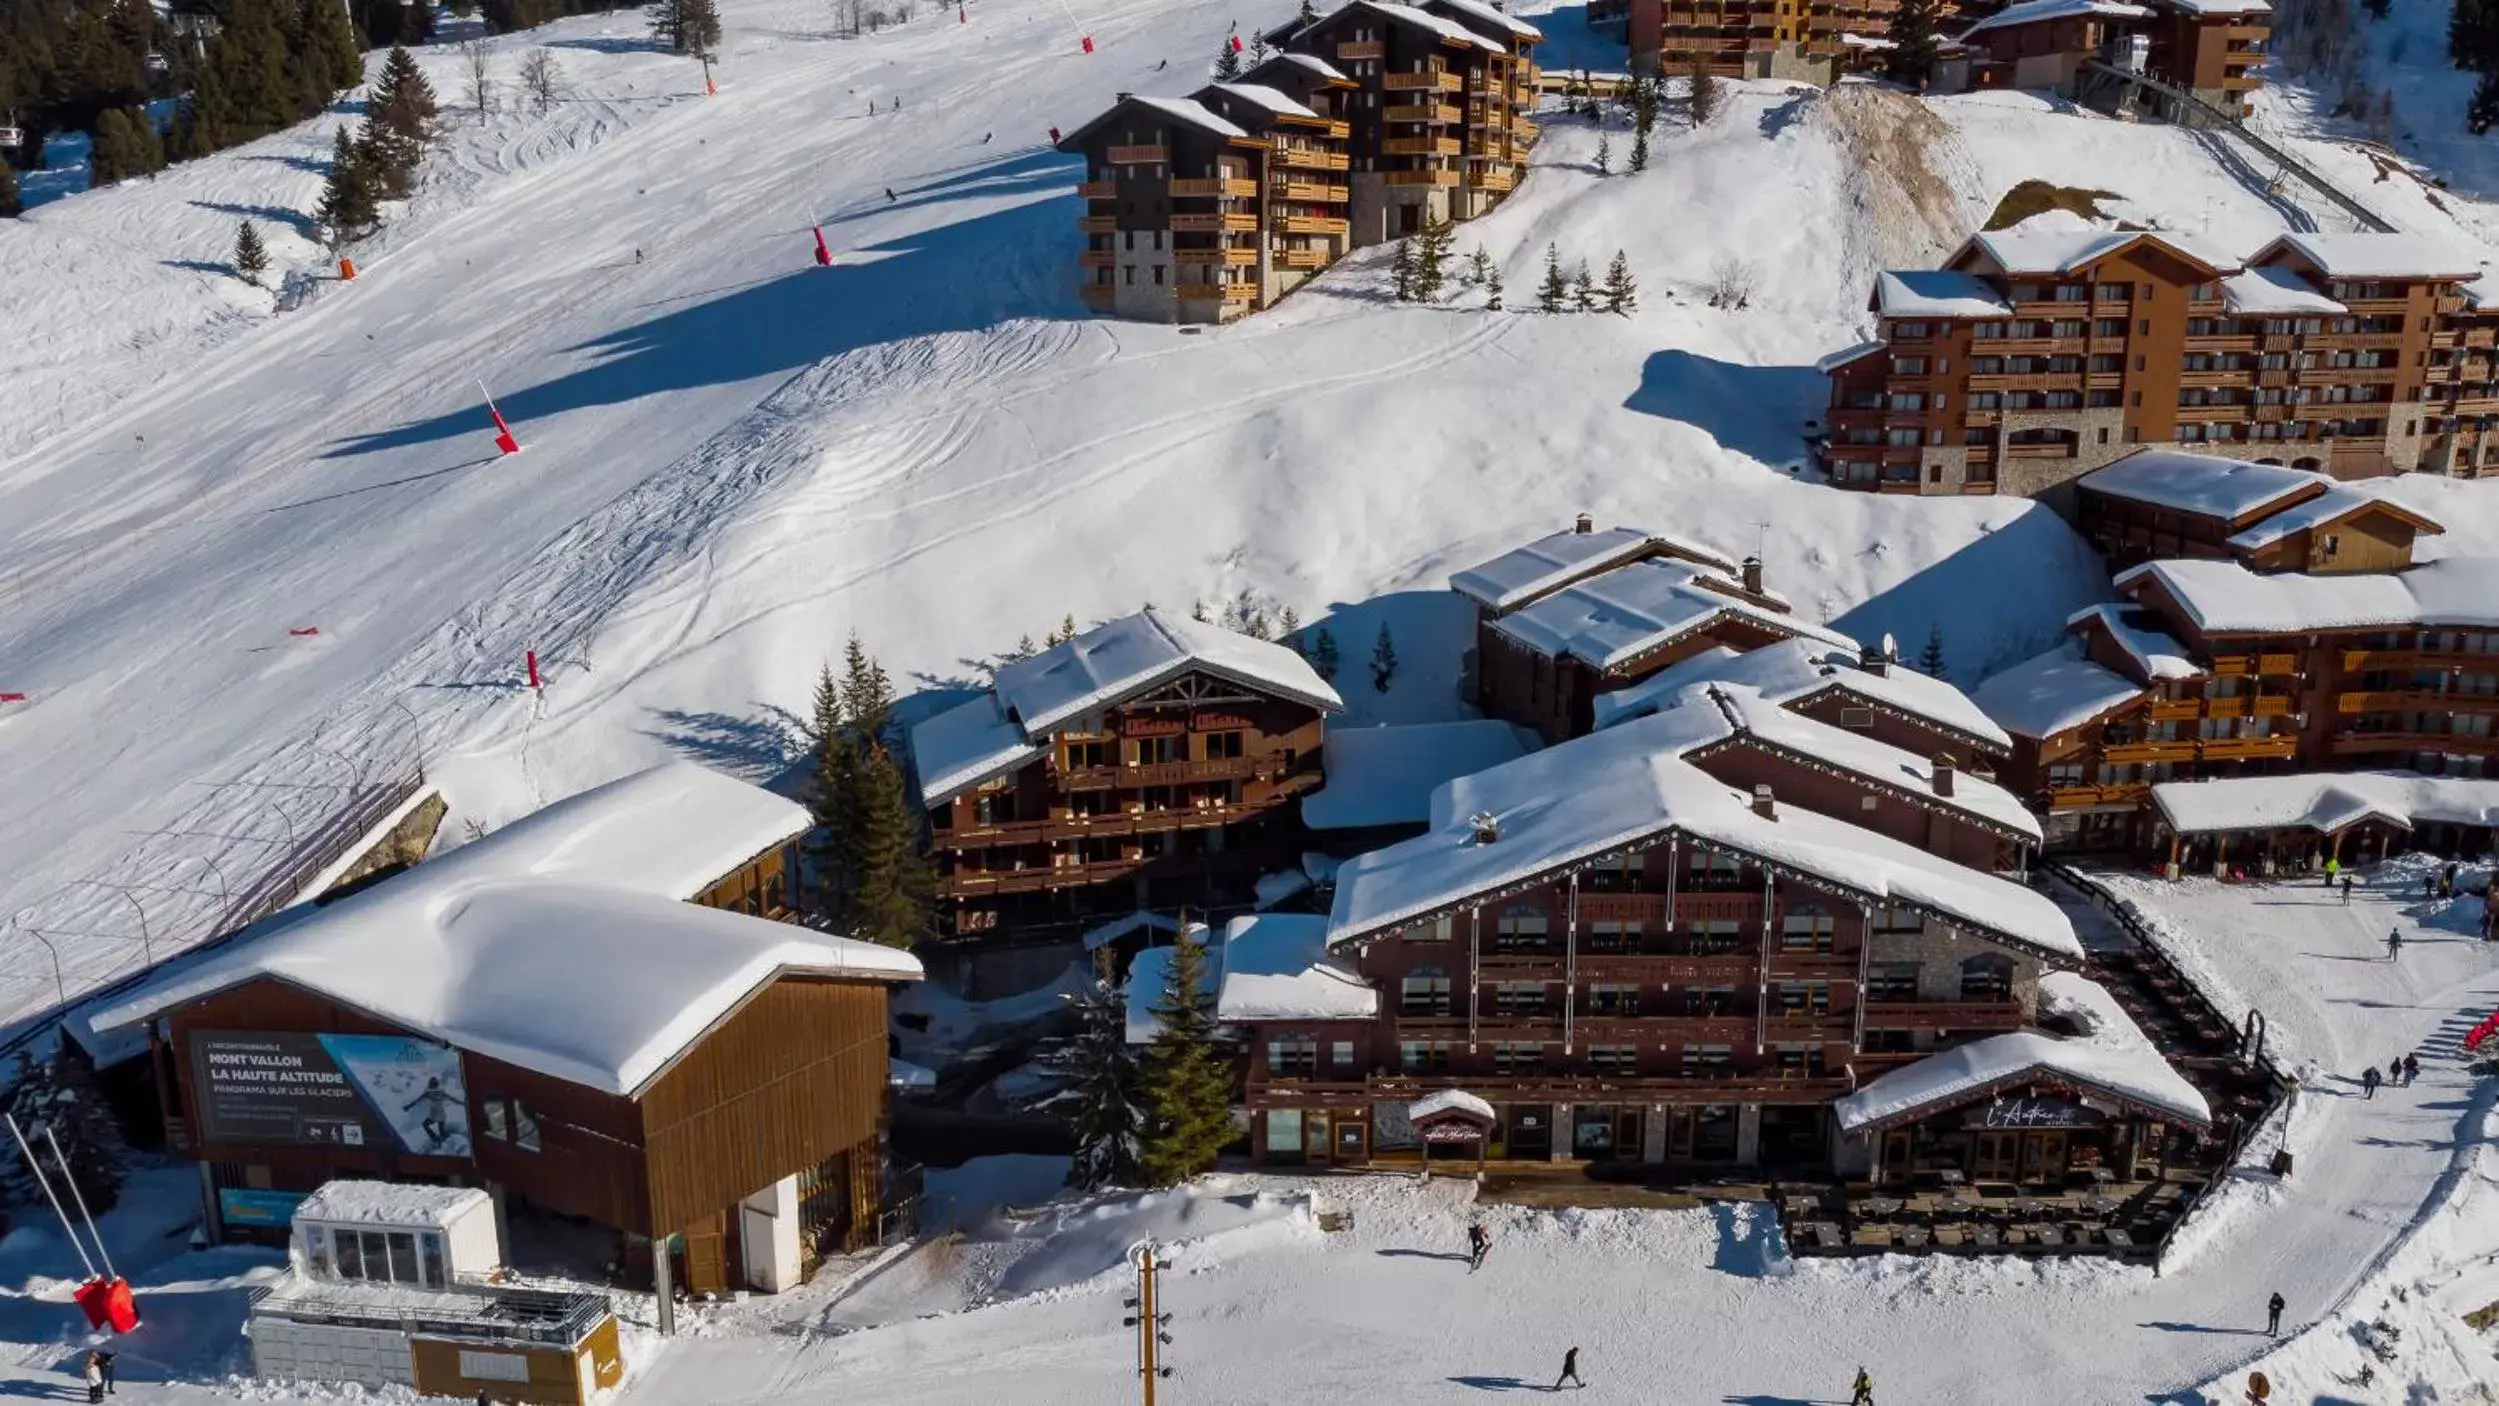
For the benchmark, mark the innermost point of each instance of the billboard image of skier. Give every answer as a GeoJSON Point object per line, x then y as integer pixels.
{"type": "Point", "coordinates": [292, 1089]}
{"type": "Point", "coordinates": [413, 1085]}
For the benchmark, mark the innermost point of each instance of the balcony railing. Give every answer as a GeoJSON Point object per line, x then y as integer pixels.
{"type": "Point", "coordinates": [2359, 660]}
{"type": "Point", "coordinates": [1186, 187]}
{"type": "Point", "coordinates": [1362, 49]}
{"type": "Point", "coordinates": [1425, 112]}
{"type": "Point", "coordinates": [1227, 257]}
{"type": "Point", "coordinates": [1437, 80]}
{"type": "Point", "coordinates": [1137, 155]}
{"type": "Point", "coordinates": [2089, 797]}
{"type": "Point", "coordinates": [1942, 1015]}
{"type": "Point", "coordinates": [1097, 224]}
{"type": "Point", "coordinates": [1302, 258]}
{"type": "Point", "coordinates": [1314, 192]}
{"type": "Point", "coordinates": [1212, 292]}
{"type": "Point", "coordinates": [1310, 158]}
{"type": "Point", "coordinates": [1098, 778]}
{"type": "Point", "coordinates": [1420, 146]}
{"type": "Point", "coordinates": [1097, 190]}
{"type": "Point", "coordinates": [1313, 224]}
{"type": "Point", "coordinates": [2417, 701]}
{"type": "Point", "coordinates": [1423, 178]}
{"type": "Point", "coordinates": [1214, 224]}
{"type": "Point", "coordinates": [2232, 666]}
{"type": "Point", "coordinates": [2399, 739]}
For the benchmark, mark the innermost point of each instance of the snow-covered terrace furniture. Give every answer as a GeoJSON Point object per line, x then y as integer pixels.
{"type": "Point", "coordinates": [380, 1232]}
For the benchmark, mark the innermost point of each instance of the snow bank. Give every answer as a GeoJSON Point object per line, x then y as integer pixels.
{"type": "Point", "coordinates": [1276, 966]}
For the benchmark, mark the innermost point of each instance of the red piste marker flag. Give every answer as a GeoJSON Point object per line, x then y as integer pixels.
{"type": "Point", "coordinates": [1236, 43]}
{"type": "Point", "coordinates": [504, 441]}
{"type": "Point", "coordinates": [1088, 43]}
{"type": "Point", "coordinates": [824, 256]}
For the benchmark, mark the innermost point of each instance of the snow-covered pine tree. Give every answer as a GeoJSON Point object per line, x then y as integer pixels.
{"type": "Point", "coordinates": [1605, 154]}
{"type": "Point", "coordinates": [1555, 288]}
{"type": "Point", "coordinates": [1913, 29]}
{"type": "Point", "coordinates": [1310, 11]}
{"type": "Point", "coordinates": [1401, 270]}
{"type": "Point", "coordinates": [1621, 294]}
{"type": "Point", "coordinates": [251, 257]}
{"type": "Point", "coordinates": [1185, 1079]}
{"type": "Point", "coordinates": [1323, 656]}
{"type": "Point", "coordinates": [1227, 62]}
{"type": "Point", "coordinates": [1259, 52]}
{"type": "Point", "coordinates": [349, 200]}
{"type": "Point", "coordinates": [1383, 660]}
{"type": "Point", "coordinates": [63, 1097]}
{"type": "Point", "coordinates": [1704, 88]}
{"type": "Point", "coordinates": [1492, 291]}
{"type": "Point", "coordinates": [1289, 623]}
{"type": "Point", "coordinates": [1583, 291]}
{"type": "Point", "coordinates": [1102, 1074]}
{"type": "Point", "coordinates": [1931, 658]}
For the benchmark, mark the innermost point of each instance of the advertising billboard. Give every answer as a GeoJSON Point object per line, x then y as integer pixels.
{"type": "Point", "coordinates": [297, 1089]}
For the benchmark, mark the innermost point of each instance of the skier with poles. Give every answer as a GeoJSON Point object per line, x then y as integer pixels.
{"type": "Point", "coordinates": [437, 1124]}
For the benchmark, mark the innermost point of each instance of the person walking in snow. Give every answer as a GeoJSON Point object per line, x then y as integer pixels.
{"type": "Point", "coordinates": [985, 136]}
{"type": "Point", "coordinates": [889, 195]}
{"type": "Point", "coordinates": [2369, 1082]}
{"type": "Point", "coordinates": [2447, 880]}
{"type": "Point", "coordinates": [1861, 1392]}
{"type": "Point", "coordinates": [2273, 1316]}
{"type": "Point", "coordinates": [104, 1363]}
{"type": "Point", "coordinates": [95, 1378]}
{"type": "Point", "coordinates": [2412, 1069]}
{"type": "Point", "coordinates": [2347, 890]}
{"type": "Point", "coordinates": [2394, 943]}
{"type": "Point", "coordinates": [2333, 867]}
{"type": "Point", "coordinates": [2429, 887]}
{"type": "Point", "coordinates": [1478, 1244]}
{"type": "Point", "coordinates": [1570, 1371]}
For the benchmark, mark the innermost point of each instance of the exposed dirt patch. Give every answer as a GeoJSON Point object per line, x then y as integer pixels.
{"type": "Point", "coordinates": [1901, 152]}
{"type": "Point", "coordinates": [2038, 197]}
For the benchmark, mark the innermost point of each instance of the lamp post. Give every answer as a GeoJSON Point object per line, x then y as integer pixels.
{"type": "Point", "coordinates": [147, 940]}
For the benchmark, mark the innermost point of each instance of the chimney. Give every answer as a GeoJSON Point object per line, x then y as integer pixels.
{"type": "Point", "coordinates": [1487, 826]}
{"type": "Point", "coordinates": [1752, 575]}
{"type": "Point", "coordinates": [1125, 97]}
{"type": "Point", "coordinates": [1943, 773]}
{"type": "Point", "coordinates": [1764, 804]}
{"type": "Point", "coordinates": [1585, 525]}
{"type": "Point", "coordinates": [1870, 657]}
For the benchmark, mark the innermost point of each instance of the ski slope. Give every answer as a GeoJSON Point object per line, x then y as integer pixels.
{"type": "Point", "coordinates": [735, 458]}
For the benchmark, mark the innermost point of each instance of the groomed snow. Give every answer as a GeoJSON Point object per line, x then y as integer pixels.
{"type": "Point", "coordinates": [2042, 11]}
{"type": "Point", "coordinates": [2111, 1056]}
{"type": "Point", "coordinates": [2367, 254]}
{"type": "Point", "coordinates": [2044, 695]}
{"type": "Point", "coordinates": [389, 1203]}
{"type": "Point", "coordinates": [2154, 650]}
{"type": "Point", "coordinates": [561, 943]}
{"type": "Point", "coordinates": [2225, 598]}
{"type": "Point", "coordinates": [2201, 484]}
{"type": "Point", "coordinates": [2271, 291]}
{"type": "Point", "coordinates": [1277, 966]}
{"type": "Point", "coordinates": [1549, 563]}
{"type": "Point", "coordinates": [2326, 802]}
{"type": "Point", "coordinates": [1609, 620]}
{"type": "Point", "coordinates": [1628, 787]}
{"type": "Point", "coordinates": [1936, 293]}
{"type": "Point", "coordinates": [1386, 775]}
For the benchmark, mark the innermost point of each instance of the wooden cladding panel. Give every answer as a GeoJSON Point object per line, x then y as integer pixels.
{"type": "Point", "coordinates": [793, 1077]}
{"type": "Point", "coordinates": [589, 1156]}
{"type": "Point", "coordinates": [758, 886]}
{"type": "Point", "coordinates": [555, 1377]}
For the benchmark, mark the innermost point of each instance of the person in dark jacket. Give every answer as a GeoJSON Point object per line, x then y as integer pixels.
{"type": "Point", "coordinates": [2347, 890]}
{"type": "Point", "coordinates": [2394, 943]}
{"type": "Point", "coordinates": [1478, 1244]}
{"type": "Point", "coordinates": [2369, 1082]}
{"type": "Point", "coordinates": [1570, 1370]}
{"type": "Point", "coordinates": [2412, 1069]}
{"type": "Point", "coordinates": [104, 1360]}
{"type": "Point", "coordinates": [2273, 1316]}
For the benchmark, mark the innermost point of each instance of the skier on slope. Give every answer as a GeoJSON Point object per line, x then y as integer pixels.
{"type": "Point", "coordinates": [1861, 1392]}
{"type": "Point", "coordinates": [889, 195]}
{"type": "Point", "coordinates": [2412, 1069]}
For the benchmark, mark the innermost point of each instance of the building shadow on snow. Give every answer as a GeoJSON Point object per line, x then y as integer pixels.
{"type": "Point", "coordinates": [1758, 411]}
{"type": "Point", "coordinates": [2034, 547]}
{"type": "Point", "coordinates": [295, 220]}
{"type": "Point", "coordinates": [962, 277]}
{"type": "Point", "coordinates": [1032, 169]}
{"type": "Point", "coordinates": [756, 747]}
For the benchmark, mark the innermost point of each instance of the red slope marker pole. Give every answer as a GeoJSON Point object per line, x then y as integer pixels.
{"type": "Point", "coordinates": [12, 697]}
{"type": "Point", "coordinates": [533, 669]}
{"type": "Point", "coordinates": [303, 631]}
{"type": "Point", "coordinates": [1088, 43]}
{"type": "Point", "coordinates": [824, 255]}
{"type": "Point", "coordinates": [503, 432]}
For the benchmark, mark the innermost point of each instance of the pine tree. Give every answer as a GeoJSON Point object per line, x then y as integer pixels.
{"type": "Point", "coordinates": [1324, 659]}
{"type": "Point", "coordinates": [1259, 52]}
{"type": "Point", "coordinates": [147, 149]}
{"type": "Point", "coordinates": [1109, 1124]}
{"type": "Point", "coordinates": [1383, 660]}
{"type": "Point", "coordinates": [1640, 150]}
{"type": "Point", "coordinates": [1704, 85]}
{"type": "Point", "coordinates": [1555, 288]}
{"type": "Point", "coordinates": [1644, 111]}
{"type": "Point", "coordinates": [1605, 154]}
{"type": "Point", "coordinates": [2482, 113]}
{"type": "Point", "coordinates": [400, 123]}
{"type": "Point", "coordinates": [257, 91]}
{"type": "Point", "coordinates": [1479, 270]}
{"type": "Point", "coordinates": [1931, 658]}
{"type": "Point", "coordinates": [251, 257]}
{"type": "Point", "coordinates": [1227, 62]}
{"type": "Point", "coordinates": [1492, 292]}
{"type": "Point", "coordinates": [1621, 294]}
{"type": "Point", "coordinates": [108, 149]}
{"type": "Point", "coordinates": [11, 203]}
{"type": "Point", "coordinates": [1065, 632]}
{"type": "Point", "coordinates": [331, 63]}
{"type": "Point", "coordinates": [60, 1094]}
{"type": "Point", "coordinates": [1913, 41]}
{"type": "Point", "coordinates": [1310, 12]}
{"type": "Point", "coordinates": [2473, 35]}
{"type": "Point", "coordinates": [828, 795]}
{"type": "Point", "coordinates": [1431, 261]}
{"type": "Point", "coordinates": [688, 26]}
{"type": "Point", "coordinates": [890, 903]}
{"type": "Point", "coordinates": [350, 199]}
{"type": "Point", "coordinates": [1583, 291]}
{"type": "Point", "coordinates": [1401, 270]}
{"type": "Point", "coordinates": [1185, 1078]}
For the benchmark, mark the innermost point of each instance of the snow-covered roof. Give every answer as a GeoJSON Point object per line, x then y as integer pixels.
{"type": "Point", "coordinates": [1861, 41]}
{"type": "Point", "coordinates": [1879, 763]}
{"type": "Point", "coordinates": [2365, 254]}
{"type": "Point", "coordinates": [1277, 966]}
{"type": "Point", "coordinates": [1793, 672]}
{"type": "Point", "coordinates": [2154, 651]}
{"type": "Point", "coordinates": [1859, 352]}
{"type": "Point", "coordinates": [1446, 29]}
{"type": "Point", "coordinates": [2057, 249]}
{"type": "Point", "coordinates": [1630, 787]}
{"type": "Point", "coordinates": [493, 947]}
{"type": "Point", "coordinates": [2225, 598]}
{"type": "Point", "coordinates": [2045, 695]}
{"type": "Point", "coordinates": [1117, 928]}
{"type": "Point", "coordinates": [2201, 484]}
{"type": "Point", "coordinates": [1386, 775]}
{"type": "Point", "coordinates": [1450, 1101]}
{"type": "Point", "coordinates": [2339, 501]}
{"type": "Point", "coordinates": [2042, 11]}
{"type": "Point", "coordinates": [1625, 613]}
{"type": "Point", "coordinates": [1192, 112]}
{"type": "Point", "coordinates": [1547, 564]}
{"type": "Point", "coordinates": [2112, 1058]}
{"type": "Point", "coordinates": [2259, 291]}
{"type": "Point", "coordinates": [1150, 973]}
{"type": "Point", "coordinates": [1311, 62]}
{"type": "Point", "coordinates": [1936, 293]}
{"type": "Point", "coordinates": [1262, 96]}
{"type": "Point", "coordinates": [973, 741]}
{"type": "Point", "coordinates": [2326, 802]}
{"type": "Point", "coordinates": [389, 1203]}
{"type": "Point", "coordinates": [1492, 16]}
{"type": "Point", "coordinates": [2218, 7]}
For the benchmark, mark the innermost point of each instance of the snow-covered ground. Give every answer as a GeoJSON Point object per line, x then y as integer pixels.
{"type": "Point", "coordinates": [2388, 1215]}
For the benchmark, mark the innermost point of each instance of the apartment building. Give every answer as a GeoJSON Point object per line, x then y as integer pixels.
{"type": "Point", "coordinates": [1149, 762]}
{"type": "Point", "coordinates": [2034, 357]}
{"type": "Point", "coordinates": [2212, 48]}
{"type": "Point", "coordinates": [1372, 122]}
{"type": "Point", "coordinates": [1800, 40]}
{"type": "Point", "coordinates": [2464, 392]}
{"type": "Point", "coordinates": [1702, 937]}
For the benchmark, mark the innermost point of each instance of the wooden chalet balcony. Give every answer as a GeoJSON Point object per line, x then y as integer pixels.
{"type": "Point", "coordinates": [1362, 49]}
{"type": "Point", "coordinates": [1314, 224]}
{"type": "Point", "coordinates": [2351, 376]}
{"type": "Point", "coordinates": [1523, 129]}
{"type": "Point", "coordinates": [1097, 190]}
{"type": "Point", "coordinates": [2240, 749]}
{"type": "Point", "coordinates": [2399, 740]}
{"type": "Point", "coordinates": [1185, 187]}
{"type": "Point", "coordinates": [2132, 753]}
{"type": "Point", "coordinates": [2372, 307]}
{"type": "Point", "coordinates": [1097, 259]}
{"type": "Point", "coordinates": [1040, 878]}
{"type": "Point", "coordinates": [2417, 702]}
{"type": "Point", "coordinates": [1228, 257]}
{"type": "Point", "coordinates": [2223, 342]}
{"type": "Point", "coordinates": [1137, 155]}
{"type": "Point", "coordinates": [1943, 1015]}
{"type": "Point", "coordinates": [2270, 705]}
{"type": "Point", "coordinates": [2089, 797]}
{"type": "Point", "coordinates": [1214, 224]}
{"type": "Point", "coordinates": [1310, 158]}
{"type": "Point", "coordinates": [2231, 666]}
{"type": "Point", "coordinates": [2209, 379]}
{"type": "Point", "coordinates": [1712, 1087]}
{"type": "Point", "coordinates": [1434, 80]}
{"type": "Point", "coordinates": [2358, 660]}
{"type": "Point", "coordinates": [1213, 292]}
{"type": "Point", "coordinates": [1424, 112]}
{"type": "Point", "coordinates": [1302, 258]}
{"type": "Point", "coordinates": [2034, 346]}
{"type": "Point", "coordinates": [1493, 180]}
{"type": "Point", "coordinates": [1114, 825]}
{"type": "Point", "coordinates": [1314, 192]}
{"type": "Point", "coordinates": [2037, 381]}
{"type": "Point", "coordinates": [1423, 178]}
{"type": "Point", "coordinates": [1096, 292]}
{"type": "Point", "coordinates": [2355, 341]}
{"type": "Point", "coordinates": [2174, 710]}
{"type": "Point", "coordinates": [1097, 224]}
{"type": "Point", "coordinates": [2041, 449]}
{"type": "Point", "coordinates": [1101, 778]}
{"type": "Point", "coordinates": [1420, 146]}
